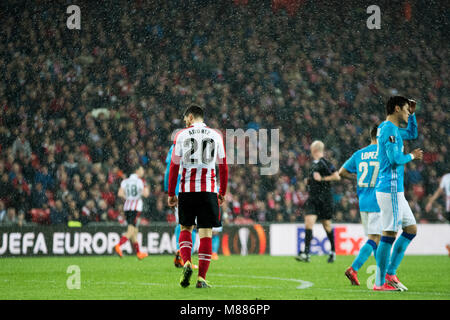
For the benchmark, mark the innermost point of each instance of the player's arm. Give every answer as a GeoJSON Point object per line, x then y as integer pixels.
{"type": "Point", "coordinates": [223, 171]}
{"type": "Point", "coordinates": [345, 174]}
{"type": "Point", "coordinates": [393, 152]}
{"type": "Point", "coordinates": [121, 193]}
{"type": "Point", "coordinates": [411, 130]}
{"type": "Point", "coordinates": [173, 174]}
{"type": "Point", "coordinates": [348, 169]}
{"type": "Point", "coordinates": [433, 198]}
{"type": "Point", "coordinates": [334, 176]}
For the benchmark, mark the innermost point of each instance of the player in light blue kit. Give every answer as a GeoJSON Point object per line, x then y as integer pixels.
{"type": "Point", "coordinates": [395, 210]}
{"type": "Point", "coordinates": [364, 163]}
{"type": "Point", "coordinates": [177, 261]}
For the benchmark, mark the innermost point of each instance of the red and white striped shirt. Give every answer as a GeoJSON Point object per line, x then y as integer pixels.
{"type": "Point", "coordinates": [445, 185]}
{"type": "Point", "coordinates": [133, 187]}
{"type": "Point", "coordinates": [196, 150]}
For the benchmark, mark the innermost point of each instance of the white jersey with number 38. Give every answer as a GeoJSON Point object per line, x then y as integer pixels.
{"type": "Point", "coordinates": [133, 187]}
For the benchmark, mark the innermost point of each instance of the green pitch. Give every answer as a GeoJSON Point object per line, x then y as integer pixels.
{"type": "Point", "coordinates": [233, 278]}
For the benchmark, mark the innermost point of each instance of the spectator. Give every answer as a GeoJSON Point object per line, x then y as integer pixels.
{"type": "Point", "coordinates": [10, 218]}
{"type": "Point", "coordinates": [58, 214]}
{"type": "Point", "coordinates": [2, 211]}
{"type": "Point", "coordinates": [71, 166]}
{"type": "Point", "coordinates": [21, 144]}
{"type": "Point", "coordinates": [43, 177]}
{"type": "Point", "coordinates": [102, 211]}
{"type": "Point", "coordinates": [108, 195]}
{"type": "Point", "coordinates": [88, 212]}
{"type": "Point", "coordinates": [38, 197]}
{"type": "Point", "coordinates": [75, 109]}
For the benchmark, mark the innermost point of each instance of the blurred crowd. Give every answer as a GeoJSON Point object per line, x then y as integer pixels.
{"type": "Point", "coordinates": [79, 108]}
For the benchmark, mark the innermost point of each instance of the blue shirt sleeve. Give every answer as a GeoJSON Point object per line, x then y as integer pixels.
{"type": "Point", "coordinates": [411, 131]}
{"type": "Point", "coordinates": [389, 137]}
{"type": "Point", "coordinates": [166, 174]}
{"type": "Point", "coordinates": [350, 164]}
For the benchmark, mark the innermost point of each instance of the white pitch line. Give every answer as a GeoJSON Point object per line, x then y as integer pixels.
{"type": "Point", "coordinates": [303, 283]}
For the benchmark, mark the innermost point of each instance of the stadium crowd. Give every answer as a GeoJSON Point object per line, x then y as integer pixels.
{"type": "Point", "coordinates": [79, 108]}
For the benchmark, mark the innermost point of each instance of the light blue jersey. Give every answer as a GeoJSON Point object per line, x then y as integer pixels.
{"type": "Point", "coordinates": [364, 163]}
{"type": "Point", "coordinates": [166, 175]}
{"type": "Point", "coordinates": [390, 154]}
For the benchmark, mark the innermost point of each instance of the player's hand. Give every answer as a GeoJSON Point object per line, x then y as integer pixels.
{"type": "Point", "coordinates": [172, 201]}
{"type": "Point", "coordinates": [221, 199]}
{"type": "Point", "coordinates": [317, 176]}
{"type": "Point", "coordinates": [418, 154]}
{"type": "Point", "coordinates": [412, 106]}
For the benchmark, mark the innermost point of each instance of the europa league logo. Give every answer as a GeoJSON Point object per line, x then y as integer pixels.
{"type": "Point", "coordinates": [244, 240]}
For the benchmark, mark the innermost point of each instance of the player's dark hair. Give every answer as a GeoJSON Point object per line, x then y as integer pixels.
{"type": "Point", "coordinates": [395, 101]}
{"type": "Point", "coordinates": [136, 167]}
{"type": "Point", "coordinates": [373, 132]}
{"type": "Point", "coordinates": [195, 110]}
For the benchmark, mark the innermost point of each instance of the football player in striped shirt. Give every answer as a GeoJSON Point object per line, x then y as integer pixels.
{"type": "Point", "coordinates": [196, 150]}
{"type": "Point", "coordinates": [395, 210]}
{"type": "Point", "coordinates": [132, 190]}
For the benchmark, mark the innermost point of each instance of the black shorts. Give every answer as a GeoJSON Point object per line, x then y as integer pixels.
{"type": "Point", "coordinates": [133, 217]}
{"type": "Point", "coordinates": [201, 205]}
{"type": "Point", "coordinates": [323, 209]}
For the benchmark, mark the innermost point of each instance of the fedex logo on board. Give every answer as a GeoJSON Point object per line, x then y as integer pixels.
{"type": "Point", "coordinates": [344, 243]}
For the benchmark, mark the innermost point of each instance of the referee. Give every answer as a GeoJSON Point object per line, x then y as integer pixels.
{"type": "Point", "coordinates": [320, 202]}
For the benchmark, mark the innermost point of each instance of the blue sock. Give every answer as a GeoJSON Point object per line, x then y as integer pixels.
{"type": "Point", "coordinates": [194, 236]}
{"type": "Point", "coordinates": [399, 251]}
{"type": "Point", "coordinates": [383, 254]}
{"type": "Point", "coordinates": [177, 235]}
{"type": "Point", "coordinates": [215, 243]}
{"type": "Point", "coordinates": [364, 254]}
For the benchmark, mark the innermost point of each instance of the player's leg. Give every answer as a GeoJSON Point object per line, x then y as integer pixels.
{"type": "Point", "coordinates": [402, 243]}
{"type": "Point", "coordinates": [326, 223]}
{"type": "Point", "coordinates": [185, 252]}
{"type": "Point", "coordinates": [178, 262]}
{"type": "Point", "coordinates": [177, 235]}
{"type": "Point", "coordinates": [186, 243]}
{"type": "Point", "coordinates": [133, 229]}
{"type": "Point", "coordinates": [194, 237]}
{"type": "Point", "coordinates": [133, 239]}
{"type": "Point", "coordinates": [177, 229]}
{"type": "Point", "coordinates": [400, 247]}
{"type": "Point", "coordinates": [389, 215]}
{"type": "Point", "coordinates": [371, 222]}
{"type": "Point", "coordinates": [310, 220]}
{"type": "Point", "coordinates": [187, 208]}
{"type": "Point", "coordinates": [216, 243]}
{"type": "Point", "coordinates": [125, 237]}
{"type": "Point", "coordinates": [204, 255]}
{"type": "Point", "coordinates": [208, 218]}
